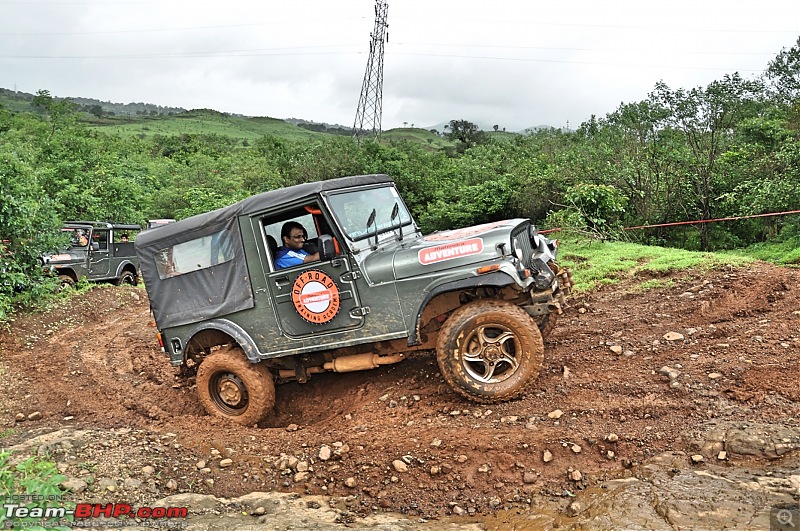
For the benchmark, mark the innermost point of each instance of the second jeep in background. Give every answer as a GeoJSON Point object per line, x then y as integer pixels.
{"type": "Point", "coordinates": [96, 250]}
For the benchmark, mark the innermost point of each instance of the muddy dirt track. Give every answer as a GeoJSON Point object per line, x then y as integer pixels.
{"type": "Point", "coordinates": [730, 338]}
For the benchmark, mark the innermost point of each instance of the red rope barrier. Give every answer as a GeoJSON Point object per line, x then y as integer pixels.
{"type": "Point", "coordinates": [698, 221]}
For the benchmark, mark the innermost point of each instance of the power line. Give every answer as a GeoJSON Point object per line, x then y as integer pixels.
{"type": "Point", "coordinates": [267, 52]}
{"type": "Point", "coordinates": [566, 48]}
{"type": "Point", "coordinates": [564, 61]}
{"type": "Point", "coordinates": [281, 22]}
{"type": "Point", "coordinates": [671, 28]}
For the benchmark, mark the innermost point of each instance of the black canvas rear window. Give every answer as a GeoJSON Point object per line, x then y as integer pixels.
{"type": "Point", "coordinates": [194, 255]}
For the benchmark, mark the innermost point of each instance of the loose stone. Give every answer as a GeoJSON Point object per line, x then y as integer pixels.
{"type": "Point", "coordinates": [325, 453]}
{"type": "Point", "coordinates": [400, 465]}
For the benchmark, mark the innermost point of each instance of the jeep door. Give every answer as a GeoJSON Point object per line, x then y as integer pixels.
{"type": "Point", "coordinates": [316, 298]}
{"type": "Point", "coordinates": [99, 261]}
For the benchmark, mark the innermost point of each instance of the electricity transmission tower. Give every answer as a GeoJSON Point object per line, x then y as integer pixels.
{"type": "Point", "coordinates": [370, 103]}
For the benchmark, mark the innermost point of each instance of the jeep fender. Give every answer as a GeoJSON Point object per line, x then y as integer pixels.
{"type": "Point", "coordinates": [226, 327]}
{"type": "Point", "coordinates": [122, 265]}
{"type": "Point", "coordinates": [497, 279]}
{"type": "Point", "coordinates": [68, 271]}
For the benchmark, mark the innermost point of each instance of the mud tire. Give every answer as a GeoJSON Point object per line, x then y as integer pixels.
{"type": "Point", "coordinates": [126, 279]}
{"type": "Point", "coordinates": [231, 387]}
{"type": "Point", "coordinates": [489, 351]}
{"type": "Point", "coordinates": [67, 282]}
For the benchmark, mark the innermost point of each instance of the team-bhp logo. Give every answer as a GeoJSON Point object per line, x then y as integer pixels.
{"type": "Point", "coordinates": [316, 296]}
{"type": "Point", "coordinates": [449, 251]}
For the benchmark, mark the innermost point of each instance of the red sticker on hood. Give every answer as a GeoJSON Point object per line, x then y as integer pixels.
{"type": "Point", "coordinates": [450, 251]}
{"type": "Point", "coordinates": [466, 232]}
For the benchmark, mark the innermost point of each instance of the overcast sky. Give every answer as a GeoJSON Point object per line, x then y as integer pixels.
{"type": "Point", "coordinates": [512, 63]}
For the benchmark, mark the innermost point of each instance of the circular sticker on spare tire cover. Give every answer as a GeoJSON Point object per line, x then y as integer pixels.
{"type": "Point", "coordinates": [316, 296]}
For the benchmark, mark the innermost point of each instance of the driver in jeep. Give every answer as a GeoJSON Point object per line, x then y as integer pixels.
{"type": "Point", "coordinates": [292, 253]}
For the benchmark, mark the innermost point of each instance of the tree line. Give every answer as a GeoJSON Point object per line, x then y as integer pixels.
{"type": "Point", "coordinates": [729, 149]}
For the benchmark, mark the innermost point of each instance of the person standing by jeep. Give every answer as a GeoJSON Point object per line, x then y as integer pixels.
{"type": "Point", "coordinates": [291, 253]}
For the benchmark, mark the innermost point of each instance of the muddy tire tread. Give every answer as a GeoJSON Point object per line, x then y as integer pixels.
{"type": "Point", "coordinates": [525, 326]}
{"type": "Point", "coordinates": [256, 376]}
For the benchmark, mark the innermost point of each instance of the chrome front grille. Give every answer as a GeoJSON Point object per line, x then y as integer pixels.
{"type": "Point", "coordinates": [521, 240]}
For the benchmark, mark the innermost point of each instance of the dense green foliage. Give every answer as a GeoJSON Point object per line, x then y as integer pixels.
{"type": "Point", "coordinates": [731, 149]}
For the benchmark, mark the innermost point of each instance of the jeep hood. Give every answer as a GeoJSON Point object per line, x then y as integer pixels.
{"type": "Point", "coordinates": [64, 256]}
{"type": "Point", "coordinates": [441, 251]}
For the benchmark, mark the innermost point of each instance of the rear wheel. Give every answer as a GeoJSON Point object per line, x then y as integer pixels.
{"type": "Point", "coordinates": [231, 387]}
{"type": "Point", "coordinates": [126, 278]}
{"type": "Point", "coordinates": [489, 351]}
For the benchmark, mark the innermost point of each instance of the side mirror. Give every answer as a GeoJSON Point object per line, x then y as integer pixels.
{"type": "Point", "coordinates": [95, 246]}
{"type": "Point", "coordinates": [327, 249]}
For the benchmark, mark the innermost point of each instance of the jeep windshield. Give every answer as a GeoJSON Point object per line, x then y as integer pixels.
{"type": "Point", "coordinates": [78, 237]}
{"type": "Point", "coordinates": [353, 210]}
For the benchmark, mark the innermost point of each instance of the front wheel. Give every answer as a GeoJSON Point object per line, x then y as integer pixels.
{"type": "Point", "coordinates": [231, 387]}
{"type": "Point", "coordinates": [489, 351]}
{"type": "Point", "coordinates": [126, 279]}
{"type": "Point", "coordinates": [66, 282]}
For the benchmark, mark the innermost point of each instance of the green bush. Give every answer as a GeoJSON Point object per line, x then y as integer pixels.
{"type": "Point", "coordinates": [36, 477]}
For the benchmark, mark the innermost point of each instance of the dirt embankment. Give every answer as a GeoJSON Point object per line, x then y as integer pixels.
{"type": "Point", "coordinates": [626, 374]}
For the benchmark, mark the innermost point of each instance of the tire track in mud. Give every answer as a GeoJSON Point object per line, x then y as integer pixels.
{"type": "Point", "coordinates": [102, 368]}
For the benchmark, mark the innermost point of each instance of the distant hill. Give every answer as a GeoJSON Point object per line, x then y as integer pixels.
{"type": "Point", "coordinates": [490, 127]}
{"type": "Point", "coordinates": [535, 128]}
{"type": "Point", "coordinates": [202, 121]}
{"type": "Point", "coordinates": [21, 101]}
{"type": "Point", "coordinates": [126, 109]}
{"type": "Point", "coordinates": [147, 120]}
{"type": "Point", "coordinates": [321, 127]}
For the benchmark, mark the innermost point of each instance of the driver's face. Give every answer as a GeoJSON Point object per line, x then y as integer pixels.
{"type": "Point", "coordinates": [295, 240]}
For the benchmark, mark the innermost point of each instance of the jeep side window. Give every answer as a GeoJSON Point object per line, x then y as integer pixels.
{"type": "Point", "coordinates": [100, 237]}
{"type": "Point", "coordinates": [200, 253]}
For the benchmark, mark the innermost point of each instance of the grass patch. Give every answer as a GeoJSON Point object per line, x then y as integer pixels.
{"type": "Point", "coordinates": [596, 263]}
{"type": "Point", "coordinates": [781, 252]}
{"type": "Point", "coordinates": [8, 432]}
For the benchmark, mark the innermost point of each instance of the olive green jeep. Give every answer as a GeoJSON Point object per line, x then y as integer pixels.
{"type": "Point", "coordinates": [367, 289]}
{"type": "Point", "coordinates": [98, 251]}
